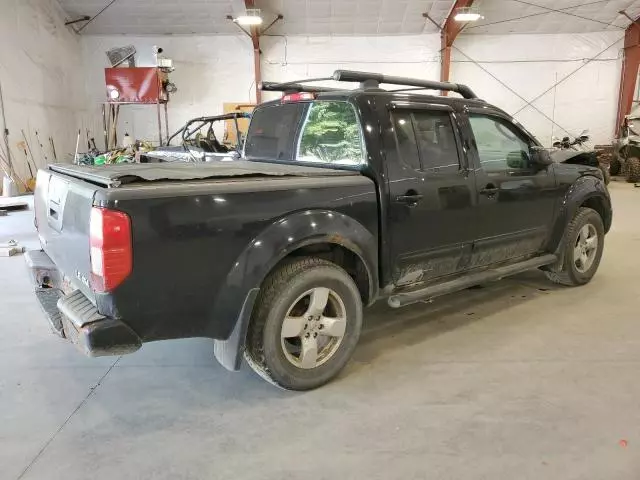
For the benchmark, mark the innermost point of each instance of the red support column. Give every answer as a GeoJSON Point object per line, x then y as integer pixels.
{"type": "Point", "coordinates": [448, 34]}
{"type": "Point", "coordinates": [255, 39]}
{"type": "Point", "coordinates": [629, 75]}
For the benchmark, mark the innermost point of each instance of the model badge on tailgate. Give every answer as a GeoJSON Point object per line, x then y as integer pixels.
{"type": "Point", "coordinates": [82, 278]}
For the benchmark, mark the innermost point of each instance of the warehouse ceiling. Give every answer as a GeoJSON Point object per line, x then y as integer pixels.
{"type": "Point", "coordinates": [349, 17]}
{"type": "Point", "coordinates": [552, 16]}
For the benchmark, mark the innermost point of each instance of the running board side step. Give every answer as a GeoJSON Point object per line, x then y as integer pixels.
{"type": "Point", "coordinates": [433, 291]}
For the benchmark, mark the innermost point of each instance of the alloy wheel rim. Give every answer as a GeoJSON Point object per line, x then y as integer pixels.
{"type": "Point", "coordinates": [313, 328]}
{"type": "Point", "coordinates": [585, 248]}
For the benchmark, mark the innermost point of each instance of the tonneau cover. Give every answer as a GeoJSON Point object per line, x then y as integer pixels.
{"type": "Point", "coordinates": [125, 173]}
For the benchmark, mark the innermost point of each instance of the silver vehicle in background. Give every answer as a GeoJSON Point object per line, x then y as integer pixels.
{"type": "Point", "coordinates": [198, 142]}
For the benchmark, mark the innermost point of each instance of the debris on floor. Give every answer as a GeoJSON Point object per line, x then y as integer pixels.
{"type": "Point", "coordinates": [121, 155]}
{"type": "Point", "coordinates": [10, 249]}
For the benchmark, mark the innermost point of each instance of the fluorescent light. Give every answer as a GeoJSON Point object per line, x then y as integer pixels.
{"type": "Point", "coordinates": [467, 16]}
{"type": "Point", "coordinates": [252, 17]}
{"type": "Point", "coordinates": [249, 20]}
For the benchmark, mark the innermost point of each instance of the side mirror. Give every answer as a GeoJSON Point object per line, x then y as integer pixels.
{"type": "Point", "coordinates": [517, 159]}
{"type": "Point", "coordinates": [540, 156]}
{"type": "Point", "coordinates": [557, 144]}
{"type": "Point", "coordinates": [584, 138]}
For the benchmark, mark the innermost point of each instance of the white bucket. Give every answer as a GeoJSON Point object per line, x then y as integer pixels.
{"type": "Point", "coordinates": [9, 188]}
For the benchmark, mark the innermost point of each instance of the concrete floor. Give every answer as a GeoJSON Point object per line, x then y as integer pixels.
{"type": "Point", "coordinates": [519, 380]}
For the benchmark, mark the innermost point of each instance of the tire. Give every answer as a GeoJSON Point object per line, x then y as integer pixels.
{"type": "Point", "coordinates": [605, 174]}
{"type": "Point", "coordinates": [633, 170]}
{"type": "Point", "coordinates": [615, 166]}
{"type": "Point", "coordinates": [289, 292]}
{"type": "Point", "coordinates": [570, 273]}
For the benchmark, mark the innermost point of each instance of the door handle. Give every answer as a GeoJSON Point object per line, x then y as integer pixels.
{"type": "Point", "coordinates": [490, 190]}
{"type": "Point", "coordinates": [409, 199]}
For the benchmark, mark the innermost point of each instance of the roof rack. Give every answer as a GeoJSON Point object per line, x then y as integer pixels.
{"type": "Point", "coordinates": [367, 81]}
{"type": "Point", "coordinates": [373, 80]}
{"type": "Point", "coordinates": [298, 87]}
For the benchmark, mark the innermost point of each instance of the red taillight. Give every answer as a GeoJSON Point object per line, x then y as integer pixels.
{"type": "Point", "coordinates": [298, 97]}
{"type": "Point", "coordinates": [110, 240]}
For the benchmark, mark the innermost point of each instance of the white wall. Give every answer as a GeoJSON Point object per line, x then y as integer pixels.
{"type": "Point", "coordinates": [528, 64]}
{"type": "Point", "coordinates": [531, 64]}
{"type": "Point", "coordinates": [42, 78]}
{"type": "Point", "coordinates": [209, 70]}
{"type": "Point", "coordinates": [297, 57]}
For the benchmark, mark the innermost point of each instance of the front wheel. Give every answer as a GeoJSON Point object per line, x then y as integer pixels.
{"type": "Point", "coordinates": [583, 246]}
{"type": "Point", "coordinates": [305, 324]}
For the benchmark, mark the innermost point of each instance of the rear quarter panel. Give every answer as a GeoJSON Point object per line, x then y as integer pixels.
{"type": "Point", "coordinates": [199, 247]}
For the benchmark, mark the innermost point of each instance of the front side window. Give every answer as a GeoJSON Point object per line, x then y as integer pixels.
{"type": "Point", "coordinates": [500, 146]}
{"type": "Point", "coordinates": [331, 134]}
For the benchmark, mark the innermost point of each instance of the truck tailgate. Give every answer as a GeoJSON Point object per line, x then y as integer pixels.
{"type": "Point", "coordinates": [62, 209]}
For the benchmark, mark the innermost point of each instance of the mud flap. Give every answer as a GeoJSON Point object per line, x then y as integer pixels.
{"type": "Point", "coordinates": [229, 352]}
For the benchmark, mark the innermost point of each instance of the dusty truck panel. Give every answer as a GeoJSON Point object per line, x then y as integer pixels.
{"type": "Point", "coordinates": [63, 207]}
{"type": "Point", "coordinates": [200, 238]}
{"type": "Point", "coordinates": [342, 198]}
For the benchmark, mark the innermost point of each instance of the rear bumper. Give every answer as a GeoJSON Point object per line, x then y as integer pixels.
{"type": "Point", "coordinates": [74, 317]}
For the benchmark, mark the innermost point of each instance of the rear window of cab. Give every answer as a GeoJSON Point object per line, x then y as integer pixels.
{"type": "Point", "coordinates": [322, 132]}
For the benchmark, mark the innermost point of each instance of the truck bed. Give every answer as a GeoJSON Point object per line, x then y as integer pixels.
{"type": "Point", "coordinates": [200, 233]}
{"type": "Point", "coordinates": [113, 176]}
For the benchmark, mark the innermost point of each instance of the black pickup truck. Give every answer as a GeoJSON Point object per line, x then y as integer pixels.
{"type": "Point", "coordinates": [342, 197]}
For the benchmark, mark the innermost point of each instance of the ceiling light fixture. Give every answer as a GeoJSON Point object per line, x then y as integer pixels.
{"type": "Point", "coordinates": [252, 17]}
{"type": "Point", "coordinates": [467, 15]}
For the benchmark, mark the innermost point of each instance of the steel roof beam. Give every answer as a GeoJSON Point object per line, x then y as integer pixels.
{"type": "Point", "coordinates": [448, 34]}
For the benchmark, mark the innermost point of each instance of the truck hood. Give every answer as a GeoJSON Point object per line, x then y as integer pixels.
{"type": "Point", "coordinates": [573, 156]}
{"type": "Point", "coordinates": [563, 155]}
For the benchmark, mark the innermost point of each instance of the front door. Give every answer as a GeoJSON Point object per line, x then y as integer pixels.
{"type": "Point", "coordinates": [431, 190]}
{"type": "Point", "coordinates": [515, 197]}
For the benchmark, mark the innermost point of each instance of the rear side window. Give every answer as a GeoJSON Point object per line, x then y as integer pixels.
{"type": "Point", "coordinates": [331, 134]}
{"type": "Point", "coordinates": [436, 141]}
{"type": "Point", "coordinates": [426, 140]}
{"type": "Point", "coordinates": [319, 132]}
{"type": "Point", "coordinates": [406, 138]}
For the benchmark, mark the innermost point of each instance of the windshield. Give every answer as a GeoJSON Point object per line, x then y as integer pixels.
{"type": "Point", "coordinates": [320, 132]}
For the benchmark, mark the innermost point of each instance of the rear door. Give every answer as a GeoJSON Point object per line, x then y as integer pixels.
{"type": "Point", "coordinates": [431, 193]}
{"type": "Point", "coordinates": [515, 197]}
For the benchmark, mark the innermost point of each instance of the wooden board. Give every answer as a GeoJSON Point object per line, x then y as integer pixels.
{"type": "Point", "coordinates": [243, 123]}
{"type": "Point", "coordinates": [12, 203]}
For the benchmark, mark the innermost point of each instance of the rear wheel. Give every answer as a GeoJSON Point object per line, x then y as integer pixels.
{"type": "Point", "coordinates": [305, 325]}
{"type": "Point", "coordinates": [584, 243]}
{"type": "Point", "coordinates": [633, 169]}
